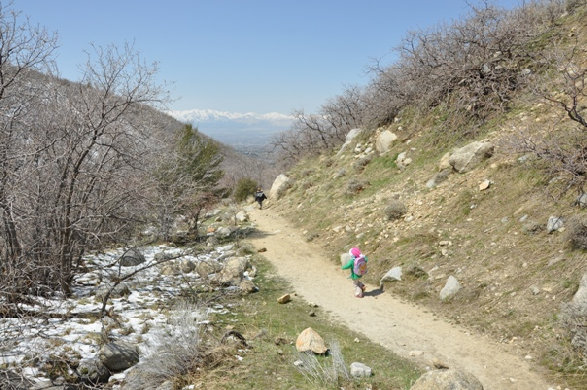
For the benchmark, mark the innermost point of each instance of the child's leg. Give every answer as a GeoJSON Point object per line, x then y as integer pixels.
{"type": "Point", "coordinates": [360, 284]}
{"type": "Point", "coordinates": [358, 289]}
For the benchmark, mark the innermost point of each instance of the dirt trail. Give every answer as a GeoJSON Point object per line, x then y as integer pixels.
{"type": "Point", "coordinates": [405, 329]}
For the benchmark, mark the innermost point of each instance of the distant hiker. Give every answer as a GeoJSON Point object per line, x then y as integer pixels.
{"type": "Point", "coordinates": [358, 266]}
{"type": "Point", "coordinates": [260, 197]}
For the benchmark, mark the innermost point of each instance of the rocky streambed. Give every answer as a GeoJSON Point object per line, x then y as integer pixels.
{"type": "Point", "coordinates": [81, 339]}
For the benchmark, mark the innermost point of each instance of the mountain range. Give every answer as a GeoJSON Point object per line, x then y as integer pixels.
{"type": "Point", "coordinates": [236, 129]}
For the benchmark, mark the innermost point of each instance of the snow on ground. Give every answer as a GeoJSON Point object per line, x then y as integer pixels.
{"type": "Point", "coordinates": [72, 327]}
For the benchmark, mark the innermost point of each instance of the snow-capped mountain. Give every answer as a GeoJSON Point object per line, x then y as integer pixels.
{"type": "Point", "coordinates": [235, 128]}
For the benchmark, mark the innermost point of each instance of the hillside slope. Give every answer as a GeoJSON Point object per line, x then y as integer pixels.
{"type": "Point", "coordinates": [486, 227]}
{"type": "Point", "coordinates": [403, 328]}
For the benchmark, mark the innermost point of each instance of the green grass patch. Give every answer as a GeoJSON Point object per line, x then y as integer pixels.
{"type": "Point", "coordinates": [271, 330]}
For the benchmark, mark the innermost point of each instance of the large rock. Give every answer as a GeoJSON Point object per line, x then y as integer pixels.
{"type": "Point", "coordinates": [360, 370]}
{"type": "Point", "coordinates": [223, 232]}
{"type": "Point", "coordinates": [242, 216]}
{"type": "Point", "coordinates": [280, 185]}
{"type": "Point", "coordinates": [350, 136]}
{"type": "Point", "coordinates": [554, 224]}
{"type": "Point", "coordinates": [207, 267]}
{"type": "Point", "coordinates": [93, 371]}
{"type": "Point", "coordinates": [384, 141]}
{"type": "Point", "coordinates": [310, 340]}
{"type": "Point", "coordinates": [447, 380]}
{"type": "Point", "coordinates": [132, 257]}
{"type": "Point", "coordinates": [119, 356]}
{"type": "Point", "coordinates": [120, 290]}
{"type": "Point", "coordinates": [580, 297]}
{"type": "Point", "coordinates": [233, 270]}
{"type": "Point", "coordinates": [393, 275]}
{"type": "Point", "coordinates": [450, 289]}
{"type": "Point", "coordinates": [469, 156]}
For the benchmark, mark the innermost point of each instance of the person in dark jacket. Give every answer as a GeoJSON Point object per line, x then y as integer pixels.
{"type": "Point", "coordinates": [260, 197]}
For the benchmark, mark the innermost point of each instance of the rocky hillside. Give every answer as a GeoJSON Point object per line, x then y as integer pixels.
{"type": "Point", "coordinates": [477, 229]}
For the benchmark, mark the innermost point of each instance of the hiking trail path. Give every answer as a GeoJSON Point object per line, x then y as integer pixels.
{"type": "Point", "coordinates": [406, 329]}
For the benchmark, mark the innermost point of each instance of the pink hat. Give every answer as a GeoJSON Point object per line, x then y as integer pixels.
{"type": "Point", "coordinates": [355, 252]}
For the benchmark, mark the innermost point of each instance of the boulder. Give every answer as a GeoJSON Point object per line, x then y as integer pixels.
{"type": "Point", "coordinates": [360, 370]}
{"type": "Point", "coordinates": [554, 224]}
{"type": "Point", "coordinates": [402, 160]}
{"type": "Point", "coordinates": [120, 290]}
{"type": "Point", "coordinates": [118, 356]}
{"type": "Point", "coordinates": [131, 258]}
{"type": "Point", "coordinates": [468, 157]}
{"type": "Point", "coordinates": [223, 232]}
{"type": "Point", "coordinates": [207, 267]}
{"type": "Point", "coordinates": [350, 136]}
{"type": "Point", "coordinates": [384, 141]}
{"type": "Point", "coordinates": [93, 371]}
{"type": "Point", "coordinates": [447, 380]}
{"type": "Point", "coordinates": [280, 185]}
{"type": "Point", "coordinates": [310, 340]}
{"type": "Point", "coordinates": [233, 270]}
{"type": "Point", "coordinates": [580, 297]}
{"type": "Point", "coordinates": [444, 162]}
{"type": "Point", "coordinates": [241, 216]}
{"type": "Point", "coordinates": [450, 289]}
{"type": "Point", "coordinates": [187, 266]}
{"type": "Point", "coordinates": [248, 287]}
{"type": "Point", "coordinates": [170, 269]}
{"type": "Point", "coordinates": [393, 275]}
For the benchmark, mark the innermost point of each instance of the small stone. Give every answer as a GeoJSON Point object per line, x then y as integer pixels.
{"type": "Point", "coordinates": [284, 299]}
{"type": "Point", "coordinates": [484, 185]}
{"type": "Point", "coordinates": [439, 364]}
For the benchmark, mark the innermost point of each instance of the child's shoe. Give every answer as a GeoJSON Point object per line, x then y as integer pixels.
{"type": "Point", "coordinates": [359, 292]}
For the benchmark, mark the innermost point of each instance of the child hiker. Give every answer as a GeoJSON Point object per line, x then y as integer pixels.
{"type": "Point", "coordinates": [358, 266]}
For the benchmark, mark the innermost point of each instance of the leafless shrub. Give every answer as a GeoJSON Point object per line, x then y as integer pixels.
{"type": "Point", "coordinates": [573, 5]}
{"type": "Point", "coordinates": [324, 373]}
{"type": "Point", "coordinates": [73, 158]}
{"type": "Point", "coordinates": [354, 186]}
{"type": "Point", "coordinates": [395, 209]}
{"type": "Point", "coordinates": [562, 155]}
{"type": "Point", "coordinates": [563, 81]}
{"type": "Point", "coordinates": [176, 350]}
{"type": "Point", "coordinates": [577, 232]}
{"type": "Point", "coordinates": [361, 163]}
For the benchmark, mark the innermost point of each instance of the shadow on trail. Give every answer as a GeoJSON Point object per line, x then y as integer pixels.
{"type": "Point", "coordinates": [373, 293]}
{"type": "Point", "coordinates": [256, 233]}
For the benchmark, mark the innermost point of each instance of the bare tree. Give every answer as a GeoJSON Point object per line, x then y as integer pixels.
{"type": "Point", "coordinates": [73, 171]}
{"type": "Point", "coordinates": [563, 82]}
{"type": "Point", "coordinates": [24, 49]}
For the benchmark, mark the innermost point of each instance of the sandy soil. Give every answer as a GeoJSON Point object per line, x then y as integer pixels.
{"type": "Point", "coordinates": [403, 328]}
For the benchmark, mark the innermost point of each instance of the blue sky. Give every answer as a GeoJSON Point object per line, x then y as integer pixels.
{"type": "Point", "coordinates": [244, 56]}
